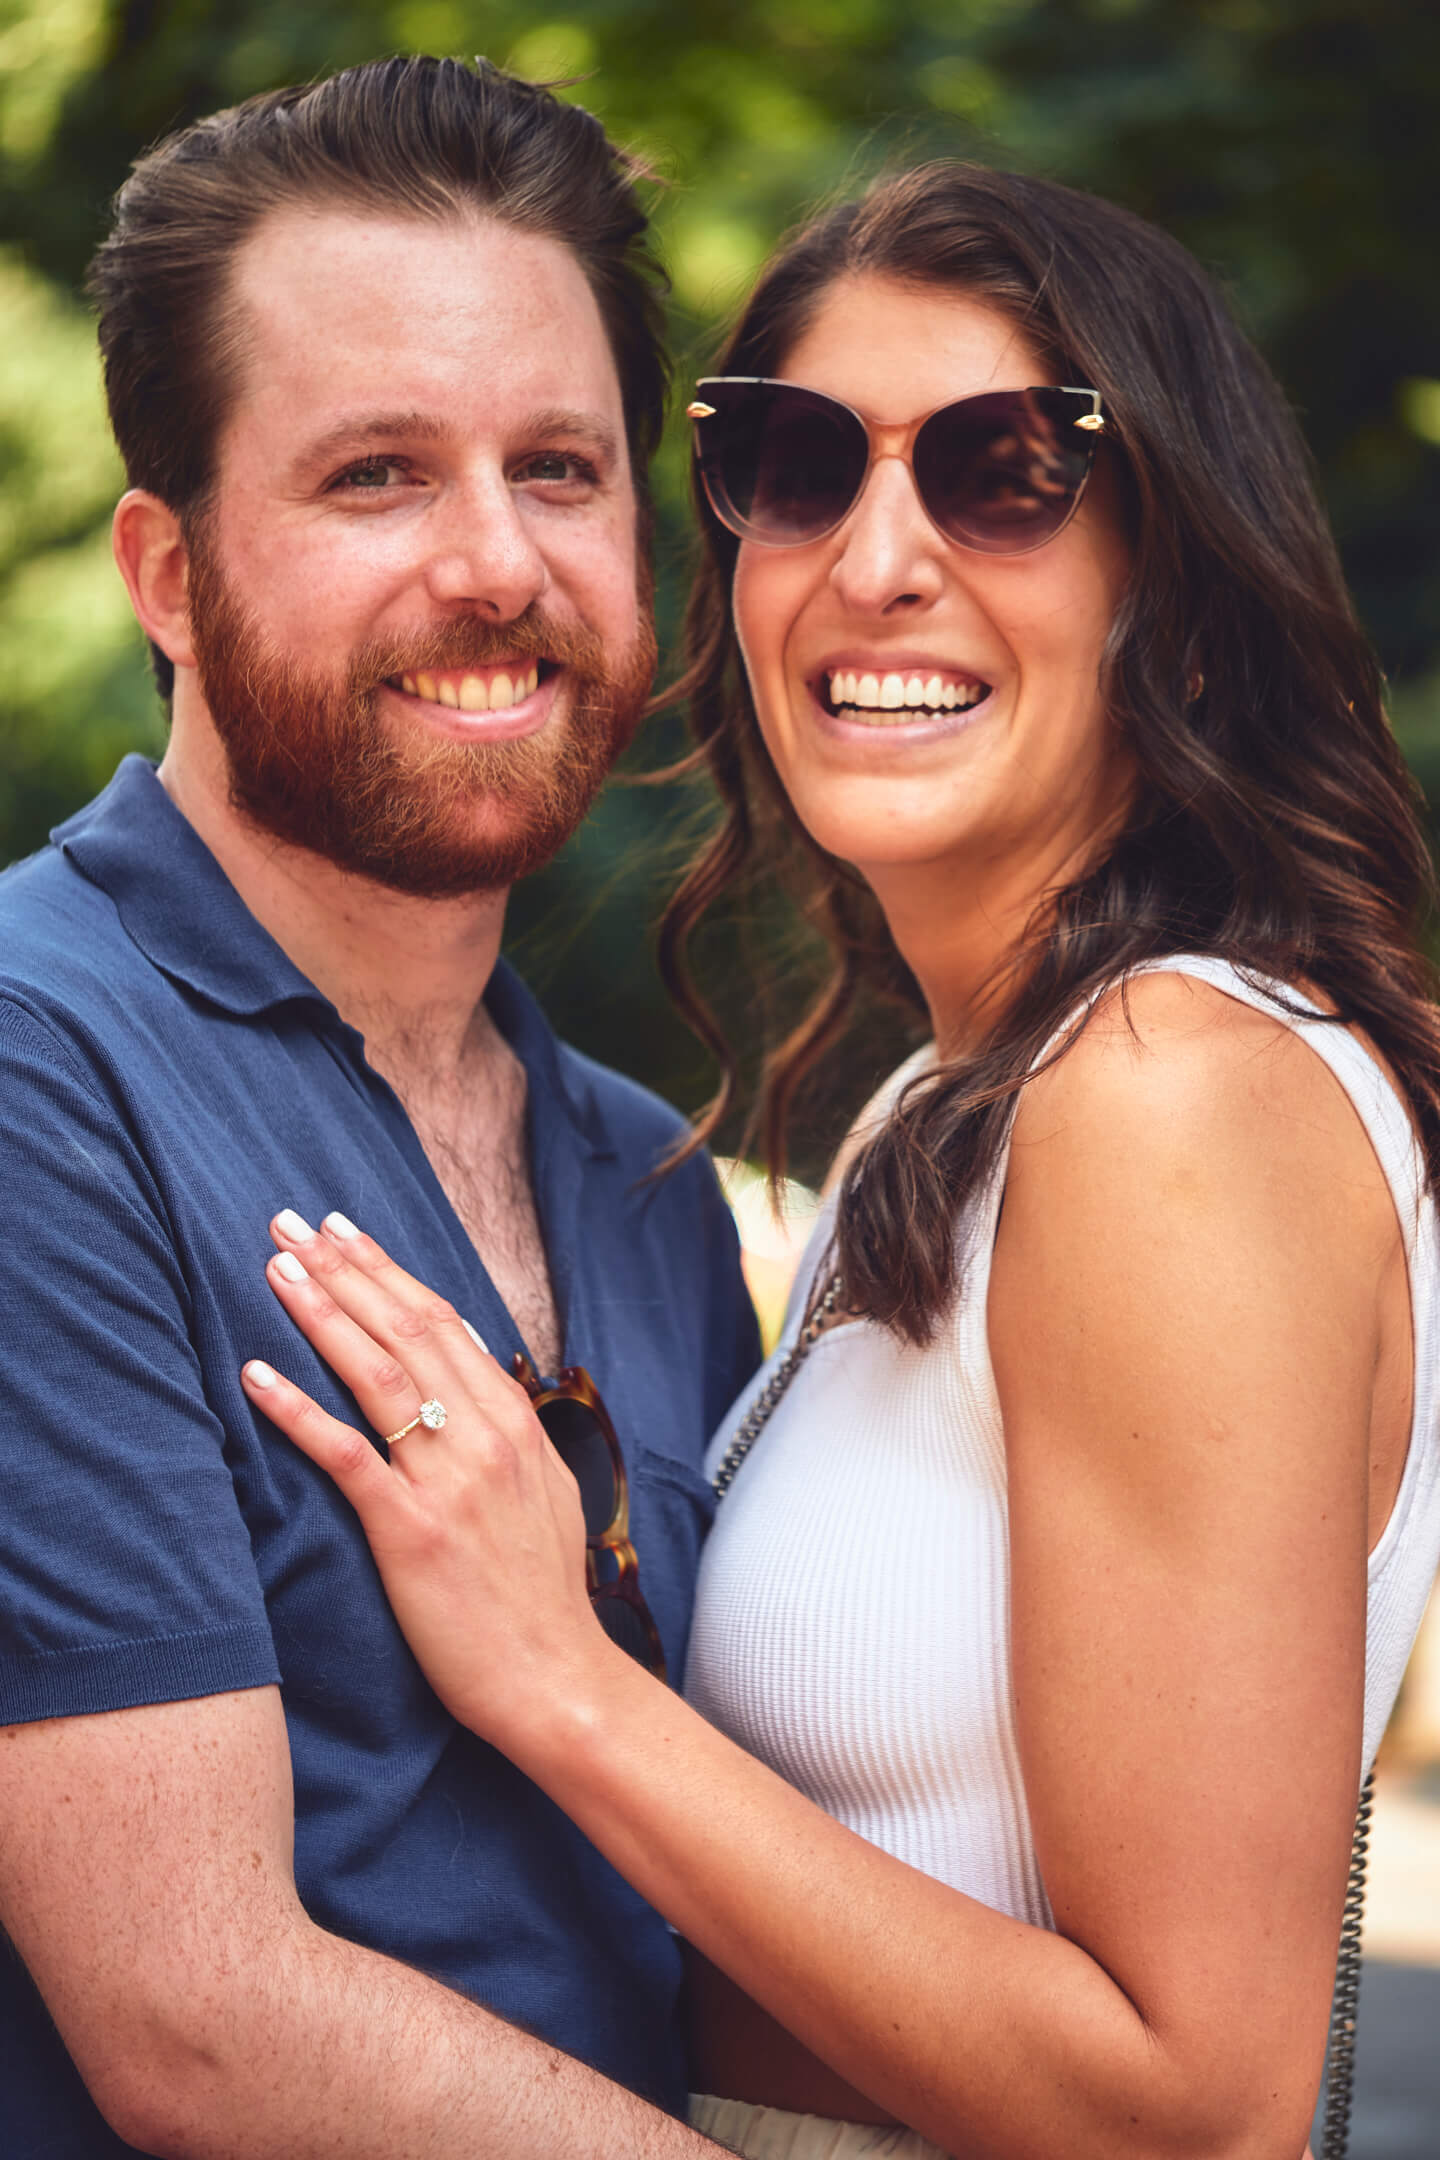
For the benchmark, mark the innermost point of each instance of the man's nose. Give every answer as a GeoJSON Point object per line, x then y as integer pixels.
{"type": "Point", "coordinates": [890, 554]}
{"type": "Point", "coordinates": [481, 554]}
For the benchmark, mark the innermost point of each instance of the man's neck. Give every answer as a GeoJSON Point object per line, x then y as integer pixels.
{"type": "Point", "coordinates": [398, 968]}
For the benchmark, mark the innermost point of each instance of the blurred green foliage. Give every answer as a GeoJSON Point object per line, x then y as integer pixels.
{"type": "Point", "coordinates": [1292, 143]}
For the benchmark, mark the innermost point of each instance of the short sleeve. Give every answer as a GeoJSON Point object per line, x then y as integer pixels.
{"type": "Point", "coordinates": [126, 1571]}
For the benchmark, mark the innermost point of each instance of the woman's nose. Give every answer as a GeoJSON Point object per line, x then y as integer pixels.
{"type": "Point", "coordinates": [890, 555]}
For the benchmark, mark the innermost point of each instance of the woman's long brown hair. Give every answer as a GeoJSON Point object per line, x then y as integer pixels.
{"type": "Point", "coordinates": [1275, 824]}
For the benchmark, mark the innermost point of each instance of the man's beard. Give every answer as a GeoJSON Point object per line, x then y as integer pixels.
{"type": "Point", "coordinates": [313, 761]}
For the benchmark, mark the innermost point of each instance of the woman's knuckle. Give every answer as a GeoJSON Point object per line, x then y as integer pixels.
{"type": "Point", "coordinates": [321, 1305]}
{"type": "Point", "coordinates": [351, 1452]}
{"type": "Point", "coordinates": [388, 1377]}
{"type": "Point", "coordinates": [429, 1539]}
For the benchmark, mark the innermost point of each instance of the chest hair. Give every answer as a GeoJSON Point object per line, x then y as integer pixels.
{"type": "Point", "coordinates": [471, 1124]}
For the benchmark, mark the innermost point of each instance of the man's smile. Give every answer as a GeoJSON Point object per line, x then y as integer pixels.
{"type": "Point", "coordinates": [484, 689]}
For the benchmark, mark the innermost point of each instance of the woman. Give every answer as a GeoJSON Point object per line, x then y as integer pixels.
{"type": "Point", "coordinates": [1045, 1586]}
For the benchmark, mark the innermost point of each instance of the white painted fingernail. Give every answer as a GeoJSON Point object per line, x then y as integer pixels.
{"type": "Point", "coordinates": [293, 1225]}
{"type": "Point", "coordinates": [475, 1336]}
{"type": "Point", "coordinates": [259, 1374]}
{"type": "Point", "coordinates": [287, 1265]}
{"type": "Point", "coordinates": [339, 1225]}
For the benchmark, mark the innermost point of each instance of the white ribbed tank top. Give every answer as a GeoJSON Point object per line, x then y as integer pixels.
{"type": "Point", "coordinates": [852, 1617]}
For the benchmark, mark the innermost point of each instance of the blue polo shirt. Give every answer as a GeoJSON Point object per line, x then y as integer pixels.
{"type": "Point", "coordinates": [167, 1080]}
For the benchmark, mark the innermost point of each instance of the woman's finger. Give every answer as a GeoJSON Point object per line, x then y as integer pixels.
{"type": "Point", "coordinates": [385, 1391]}
{"type": "Point", "coordinates": [360, 1472]}
{"type": "Point", "coordinates": [419, 1329]}
{"type": "Point", "coordinates": [371, 1258]}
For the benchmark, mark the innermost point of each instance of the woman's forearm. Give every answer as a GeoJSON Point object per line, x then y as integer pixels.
{"type": "Point", "coordinates": [976, 2029]}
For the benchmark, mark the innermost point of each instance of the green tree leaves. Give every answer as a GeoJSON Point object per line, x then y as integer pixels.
{"type": "Point", "coordinates": [1291, 143]}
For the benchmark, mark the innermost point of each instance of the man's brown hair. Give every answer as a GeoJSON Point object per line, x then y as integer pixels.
{"type": "Point", "coordinates": [413, 136]}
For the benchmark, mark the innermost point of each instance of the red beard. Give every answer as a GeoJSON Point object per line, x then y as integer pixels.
{"type": "Point", "coordinates": [312, 761]}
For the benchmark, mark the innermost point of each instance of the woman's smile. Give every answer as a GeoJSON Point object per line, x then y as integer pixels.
{"type": "Point", "coordinates": [889, 701]}
{"type": "Point", "coordinates": [960, 689]}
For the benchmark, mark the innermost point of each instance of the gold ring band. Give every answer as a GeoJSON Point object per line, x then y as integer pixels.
{"type": "Point", "coordinates": [431, 1415]}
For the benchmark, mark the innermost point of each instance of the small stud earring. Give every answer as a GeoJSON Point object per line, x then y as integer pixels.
{"type": "Point", "coordinates": [1194, 684]}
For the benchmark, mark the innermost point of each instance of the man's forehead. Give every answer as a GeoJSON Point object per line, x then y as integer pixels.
{"type": "Point", "coordinates": [380, 312]}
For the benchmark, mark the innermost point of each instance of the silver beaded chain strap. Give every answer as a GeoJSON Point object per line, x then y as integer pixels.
{"type": "Point", "coordinates": [1345, 2005]}
{"type": "Point", "coordinates": [758, 1416]}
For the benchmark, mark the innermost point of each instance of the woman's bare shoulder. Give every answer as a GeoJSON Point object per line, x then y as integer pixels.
{"type": "Point", "coordinates": [1172, 1059]}
{"type": "Point", "coordinates": [1175, 1107]}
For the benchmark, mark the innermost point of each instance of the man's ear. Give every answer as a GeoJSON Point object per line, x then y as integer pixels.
{"type": "Point", "coordinates": [150, 555]}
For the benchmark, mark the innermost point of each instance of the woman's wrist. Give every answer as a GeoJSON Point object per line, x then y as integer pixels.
{"type": "Point", "coordinates": [558, 1705]}
{"type": "Point", "coordinates": [563, 1716]}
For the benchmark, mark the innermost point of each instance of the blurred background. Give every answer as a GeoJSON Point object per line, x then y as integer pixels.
{"type": "Point", "coordinates": [1293, 144]}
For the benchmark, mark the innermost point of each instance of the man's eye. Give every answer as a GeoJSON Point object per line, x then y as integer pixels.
{"type": "Point", "coordinates": [372, 477]}
{"type": "Point", "coordinates": [557, 465]}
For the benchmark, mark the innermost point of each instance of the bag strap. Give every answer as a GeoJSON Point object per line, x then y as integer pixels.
{"type": "Point", "coordinates": [822, 1312]}
{"type": "Point", "coordinates": [1345, 2007]}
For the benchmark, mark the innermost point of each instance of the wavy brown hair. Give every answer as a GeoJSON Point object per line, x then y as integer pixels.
{"type": "Point", "coordinates": [1274, 823]}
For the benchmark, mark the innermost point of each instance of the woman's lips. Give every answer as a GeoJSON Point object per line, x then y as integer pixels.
{"type": "Point", "coordinates": [889, 695]}
{"type": "Point", "coordinates": [861, 702]}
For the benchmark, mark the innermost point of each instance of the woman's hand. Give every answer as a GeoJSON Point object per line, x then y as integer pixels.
{"type": "Point", "coordinates": [477, 1527]}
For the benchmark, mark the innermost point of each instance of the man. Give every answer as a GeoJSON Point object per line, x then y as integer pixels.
{"type": "Point", "coordinates": [382, 360]}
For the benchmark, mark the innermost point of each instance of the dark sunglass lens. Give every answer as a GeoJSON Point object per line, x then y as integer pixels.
{"type": "Point", "coordinates": [625, 1626]}
{"type": "Point", "coordinates": [789, 466]}
{"type": "Point", "coordinates": [1003, 473]}
{"type": "Point", "coordinates": [576, 1436]}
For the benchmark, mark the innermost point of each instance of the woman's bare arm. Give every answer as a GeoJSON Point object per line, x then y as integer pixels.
{"type": "Point", "coordinates": [1186, 1325]}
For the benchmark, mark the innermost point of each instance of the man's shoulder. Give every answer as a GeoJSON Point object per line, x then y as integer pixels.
{"type": "Point", "coordinates": [61, 939]}
{"type": "Point", "coordinates": [36, 883]}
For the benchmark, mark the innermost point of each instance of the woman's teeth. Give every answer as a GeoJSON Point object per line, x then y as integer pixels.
{"type": "Point", "coordinates": [472, 693]}
{"type": "Point", "coordinates": [903, 694]}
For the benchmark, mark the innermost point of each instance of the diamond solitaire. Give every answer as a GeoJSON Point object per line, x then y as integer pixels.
{"type": "Point", "coordinates": [432, 1417]}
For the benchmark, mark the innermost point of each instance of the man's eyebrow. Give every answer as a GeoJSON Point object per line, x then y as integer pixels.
{"type": "Point", "coordinates": [358, 430]}
{"type": "Point", "coordinates": [560, 420]}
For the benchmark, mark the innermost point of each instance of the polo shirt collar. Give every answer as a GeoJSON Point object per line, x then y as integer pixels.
{"type": "Point", "coordinates": [181, 910]}
{"type": "Point", "coordinates": [174, 899]}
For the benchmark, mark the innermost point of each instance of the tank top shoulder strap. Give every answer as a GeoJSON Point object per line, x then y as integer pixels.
{"type": "Point", "coordinates": [1373, 1094]}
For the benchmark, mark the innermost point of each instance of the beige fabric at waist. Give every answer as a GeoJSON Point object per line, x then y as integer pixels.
{"type": "Point", "coordinates": [764, 2133]}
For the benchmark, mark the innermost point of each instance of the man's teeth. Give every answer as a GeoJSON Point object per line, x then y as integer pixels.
{"type": "Point", "coordinates": [902, 693]}
{"type": "Point", "coordinates": [472, 693]}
